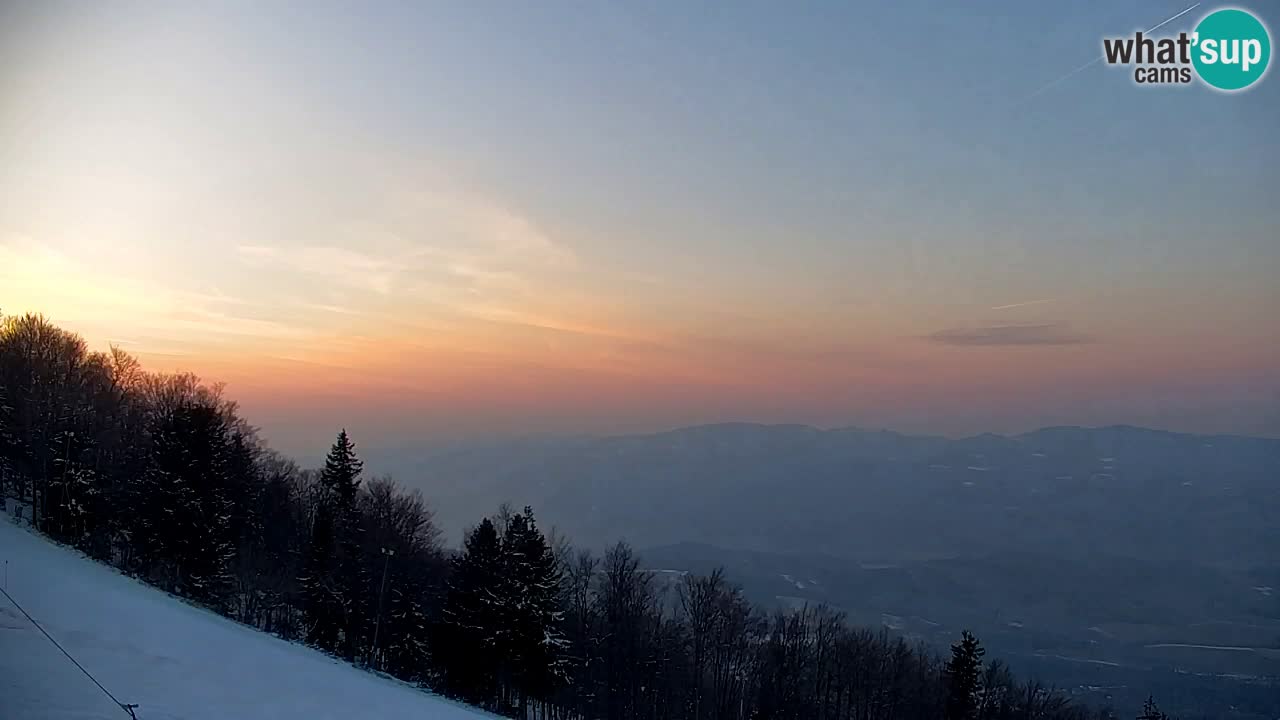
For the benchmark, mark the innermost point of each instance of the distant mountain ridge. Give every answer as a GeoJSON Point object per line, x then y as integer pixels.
{"type": "Point", "coordinates": [788, 487]}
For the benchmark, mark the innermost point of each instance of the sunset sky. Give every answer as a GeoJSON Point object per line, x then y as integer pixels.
{"type": "Point", "coordinates": [433, 222]}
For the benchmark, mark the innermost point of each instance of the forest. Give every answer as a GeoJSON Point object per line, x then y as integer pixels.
{"type": "Point", "coordinates": [160, 476]}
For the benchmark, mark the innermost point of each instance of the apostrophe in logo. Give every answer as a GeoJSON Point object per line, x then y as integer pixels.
{"type": "Point", "coordinates": [1231, 49]}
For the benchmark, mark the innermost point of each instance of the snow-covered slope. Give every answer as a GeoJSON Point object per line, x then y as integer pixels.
{"type": "Point", "coordinates": [174, 660]}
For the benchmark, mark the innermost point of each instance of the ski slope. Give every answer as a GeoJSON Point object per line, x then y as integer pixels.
{"type": "Point", "coordinates": [173, 660]}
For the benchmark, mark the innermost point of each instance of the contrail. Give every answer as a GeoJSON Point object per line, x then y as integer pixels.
{"type": "Point", "coordinates": [1100, 58]}
{"type": "Point", "coordinates": [1175, 17]}
{"type": "Point", "coordinates": [1021, 304]}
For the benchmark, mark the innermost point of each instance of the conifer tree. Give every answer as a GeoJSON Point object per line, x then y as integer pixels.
{"type": "Point", "coordinates": [341, 476]}
{"type": "Point", "coordinates": [1151, 711]}
{"type": "Point", "coordinates": [535, 641]}
{"type": "Point", "coordinates": [469, 645]}
{"type": "Point", "coordinates": [963, 676]}
{"type": "Point", "coordinates": [334, 579]}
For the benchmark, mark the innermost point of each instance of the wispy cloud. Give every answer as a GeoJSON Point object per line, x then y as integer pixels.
{"type": "Point", "coordinates": [1022, 304]}
{"type": "Point", "coordinates": [212, 322]}
{"type": "Point", "coordinates": [1011, 335]}
{"type": "Point", "coordinates": [480, 232]}
{"type": "Point", "coordinates": [341, 265]}
{"type": "Point", "coordinates": [325, 308]}
{"type": "Point", "coordinates": [443, 247]}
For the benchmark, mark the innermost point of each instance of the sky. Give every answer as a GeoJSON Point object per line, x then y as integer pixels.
{"type": "Point", "coordinates": [443, 222]}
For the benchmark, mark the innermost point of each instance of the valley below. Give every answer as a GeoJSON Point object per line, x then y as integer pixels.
{"type": "Point", "coordinates": [1115, 562]}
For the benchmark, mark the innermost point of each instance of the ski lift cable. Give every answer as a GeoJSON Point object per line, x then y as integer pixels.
{"type": "Point", "coordinates": [129, 708]}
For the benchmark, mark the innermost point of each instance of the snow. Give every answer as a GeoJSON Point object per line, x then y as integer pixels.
{"type": "Point", "coordinates": [1107, 663]}
{"type": "Point", "coordinates": [172, 659]}
{"type": "Point", "coordinates": [893, 622]}
{"type": "Point", "coordinates": [1232, 648]}
{"type": "Point", "coordinates": [798, 583]}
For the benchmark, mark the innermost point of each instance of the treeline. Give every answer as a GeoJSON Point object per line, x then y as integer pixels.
{"type": "Point", "coordinates": [160, 476]}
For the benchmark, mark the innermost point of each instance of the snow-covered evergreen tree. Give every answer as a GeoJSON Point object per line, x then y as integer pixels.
{"type": "Point", "coordinates": [534, 639]}
{"type": "Point", "coordinates": [963, 675]}
{"type": "Point", "coordinates": [469, 644]}
{"type": "Point", "coordinates": [502, 642]}
{"type": "Point", "coordinates": [335, 576]}
{"type": "Point", "coordinates": [184, 513]}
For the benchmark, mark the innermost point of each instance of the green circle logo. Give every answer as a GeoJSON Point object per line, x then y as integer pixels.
{"type": "Point", "coordinates": [1232, 49]}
